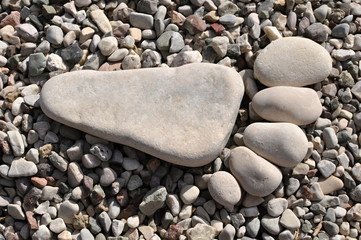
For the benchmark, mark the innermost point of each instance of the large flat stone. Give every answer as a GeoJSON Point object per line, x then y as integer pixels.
{"type": "Point", "coordinates": [182, 115]}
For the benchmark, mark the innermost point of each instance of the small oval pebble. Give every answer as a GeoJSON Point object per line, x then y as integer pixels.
{"type": "Point", "coordinates": [224, 189]}
{"type": "Point", "coordinates": [292, 61]}
{"type": "Point", "coordinates": [255, 174]}
{"type": "Point", "coordinates": [283, 144]}
{"type": "Point", "coordinates": [297, 105]}
{"type": "Point", "coordinates": [189, 194]}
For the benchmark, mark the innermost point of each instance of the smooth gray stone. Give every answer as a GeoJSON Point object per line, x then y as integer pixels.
{"type": "Point", "coordinates": [182, 115]}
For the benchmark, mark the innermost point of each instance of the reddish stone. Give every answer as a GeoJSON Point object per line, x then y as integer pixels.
{"type": "Point", "coordinates": [5, 147]}
{"type": "Point", "coordinates": [129, 211]}
{"type": "Point", "coordinates": [174, 232]}
{"type": "Point", "coordinates": [121, 31]}
{"type": "Point", "coordinates": [312, 173]}
{"type": "Point", "coordinates": [194, 24]}
{"type": "Point", "coordinates": [218, 28]}
{"type": "Point", "coordinates": [108, 66]}
{"type": "Point", "coordinates": [31, 220]}
{"type": "Point", "coordinates": [51, 181]}
{"type": "Point", "coordinates": [12, 19]}
{"type": "Point", "coordinates": [39, 182]}
{"type": "Point", "coordinates": [80, 221]}
{"type": "Point", "coordinates": [176, 18]}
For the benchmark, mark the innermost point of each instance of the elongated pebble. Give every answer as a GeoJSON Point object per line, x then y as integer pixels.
{"type": "Point", "coordinates": [297, 105]}
{"type": "Point", "coordinates": [256, 175]}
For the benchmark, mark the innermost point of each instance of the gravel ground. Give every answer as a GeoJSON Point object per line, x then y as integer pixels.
{"type": "Point", "coordinates": [60, 183]}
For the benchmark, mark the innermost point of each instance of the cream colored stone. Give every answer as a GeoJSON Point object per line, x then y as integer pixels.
{"type": "Point", "coordinates": [108, 45]}
{"type": "Point", "coordinates": [183, 115]}
{"type": "Point", "coordinates": [284, 144]}
{"type": "Point", "coordinates": [292, 61]}
{"type": "Point", "coordinates": [296, 105]}
{"type": "Point", "coordinates": [136, 33]}
{"type": "Point", "coordinates": [85, 34]}
{"type": "Point", "coordinates": [255, 174]}
{"type": "Point", "coordinates": [101, 20]}
{"type": "Point", "coordinates": [272, 33]}
{"type": "Point", "coordinates": [330, 184]}
{"type": "Point", "coordinates": [224, 189]}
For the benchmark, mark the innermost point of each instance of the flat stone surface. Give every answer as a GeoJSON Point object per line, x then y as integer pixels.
{"type": "Point", "coordinates": [297, 105]}
{"type": "Point", "coordinates": [292, 61]}
{"type": "Point", "coordinates": [275, 207]}
{"type": "Point", "coordinates": [289, 220]}
{"type": "Point", "coordinates": [16, 143]}
{"type": "Point", "coordinates": [182, 115]}
{"type": "Point", "coordinates": [284, 144]}
{"type": "Point", "coordinates": [153, 200]}
{"type": "Point", "coordinates": [101, 20]}
{"type": "Point", "coordinates": [67, 210]}
{"type": "Point", "coordinates": [22, 168]}
{"type": "Point", "coordinates": [255, 174]}
{"type": "Point", "coordinates": [188, 194]}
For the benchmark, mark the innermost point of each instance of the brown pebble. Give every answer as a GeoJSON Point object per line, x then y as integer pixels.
{"type": "Point", "coordinates": [12, 19]}
{"type": "Point", "coordinates": [129, 211]}
{"type": "Point", "coordinates": [31, 220]}
{"type": "Point", "coordinates": [5, 147]}
{"type": "Point", "coordinates": [107, 66]}
{"type": "Point", "coordinates": [174, 232]}
{"type": "Point", "coordinates": [51, 181]}
{"type": "Point", "coordinates": [218, 28]}
{"type": "Point", "coordinates": [193, 24]}
{"type": "Point", "coordinates": [80, 221]}
{"type": "Point", "coordinates": [121, 31]}
{"type": "Point", "coordinates": [39, 182]}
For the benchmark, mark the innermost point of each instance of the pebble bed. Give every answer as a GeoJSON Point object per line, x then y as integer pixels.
{"type": "Point", "coordinates": [60, 183]}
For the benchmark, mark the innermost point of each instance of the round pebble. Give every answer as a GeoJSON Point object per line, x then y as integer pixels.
{"type": "Point", "coordinates": [108, 45]}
